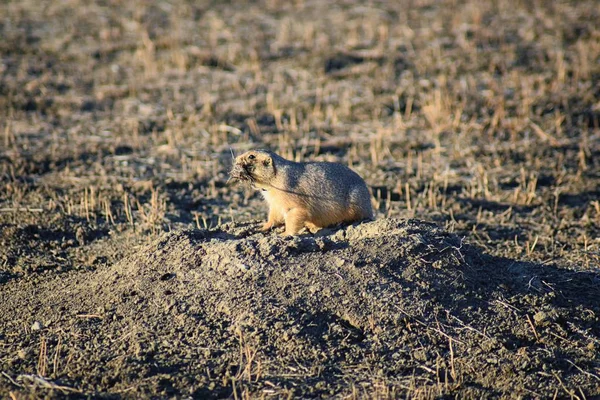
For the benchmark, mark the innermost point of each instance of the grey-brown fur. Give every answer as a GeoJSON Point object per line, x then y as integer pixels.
{"type": "Point", "coordinates": [310, 194]}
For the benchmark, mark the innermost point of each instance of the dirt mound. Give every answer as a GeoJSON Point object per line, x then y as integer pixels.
{"type": "Point", "coordinates": [225, 312]}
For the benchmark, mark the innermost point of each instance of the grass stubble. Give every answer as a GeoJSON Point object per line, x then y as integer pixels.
{"type": "Point", "coordinates": [117, 125]}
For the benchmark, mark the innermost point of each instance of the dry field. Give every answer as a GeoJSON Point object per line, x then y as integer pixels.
{"type": "Point", "coordinates": [129, 269]}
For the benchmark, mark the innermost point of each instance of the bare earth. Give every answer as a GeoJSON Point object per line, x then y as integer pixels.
{"type": "Point", "coordinates": [129, 269]}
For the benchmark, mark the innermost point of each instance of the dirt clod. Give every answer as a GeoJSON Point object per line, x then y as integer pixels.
{"type": "Point", "coordinates": [37, 325]}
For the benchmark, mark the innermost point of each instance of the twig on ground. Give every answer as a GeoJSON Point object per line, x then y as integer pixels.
{"type": "Point", "coordinates": [21, 209]}
{"type": "Point", "coordinates": [537, 337]}
{"type": "Point", "coordinates": [38, 381]}
{"type": "Point", "coordinates": [11, 379]}
{"type": "Point", "coordinates": [583, 371]}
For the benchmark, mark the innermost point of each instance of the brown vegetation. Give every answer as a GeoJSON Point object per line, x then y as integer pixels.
{"type": "Point", "coordinates": [117, 122]}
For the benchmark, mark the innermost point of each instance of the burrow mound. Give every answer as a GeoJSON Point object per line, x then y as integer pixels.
{"type": "Point", "coordinates": [386, 307]}
{"type": "Point", "coordinates": [400, 301]}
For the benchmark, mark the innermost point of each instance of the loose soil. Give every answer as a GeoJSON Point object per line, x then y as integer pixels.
{"type": "Point", "coordinates": [129, 269]}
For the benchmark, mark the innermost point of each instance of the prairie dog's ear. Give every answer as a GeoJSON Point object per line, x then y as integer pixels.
{"type": "Point", "coordinates": [268, 161]}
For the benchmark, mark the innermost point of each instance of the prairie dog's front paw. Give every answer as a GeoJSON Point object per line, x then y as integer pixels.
{"type": "Point", "coordinates": [266, 226]}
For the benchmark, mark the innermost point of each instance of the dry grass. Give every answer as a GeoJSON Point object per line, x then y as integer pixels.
{"type": "Point", "coordinates": [481, 116]}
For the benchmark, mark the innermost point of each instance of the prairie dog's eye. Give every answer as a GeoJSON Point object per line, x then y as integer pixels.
{"type": "Point", "coordinates": [251, 157]}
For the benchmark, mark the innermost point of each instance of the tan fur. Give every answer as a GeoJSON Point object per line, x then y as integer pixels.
{"type": "Point", "coordinates": [312, 195]}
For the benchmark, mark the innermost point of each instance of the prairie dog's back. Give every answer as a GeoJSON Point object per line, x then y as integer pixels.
{"type": "Point", "coordinates": [331, 192]}
{"type": "Point", "coordinates": [322, 179]}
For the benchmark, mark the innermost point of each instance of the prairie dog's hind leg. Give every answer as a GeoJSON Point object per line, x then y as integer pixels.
{"type": "Point", "coordinates": [312, 228]}
{"type": "Point", "coordinates": [295, 220]}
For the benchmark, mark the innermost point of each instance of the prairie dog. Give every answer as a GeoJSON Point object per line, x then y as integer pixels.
{"type": "Point", "coordinates": [307, 194]}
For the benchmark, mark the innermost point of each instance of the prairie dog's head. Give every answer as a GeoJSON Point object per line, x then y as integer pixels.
{"type": "Point", "coordinates": [255, 166]}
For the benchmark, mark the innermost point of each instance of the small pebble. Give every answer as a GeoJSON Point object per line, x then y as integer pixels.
{"type": "Point", "coordinates": [37, 325]}
{"type": "Point", "coordinates": [244, 267]}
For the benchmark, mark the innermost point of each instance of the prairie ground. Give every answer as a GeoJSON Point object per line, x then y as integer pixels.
{"type": "Point", "coordinates": [128, 268]}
